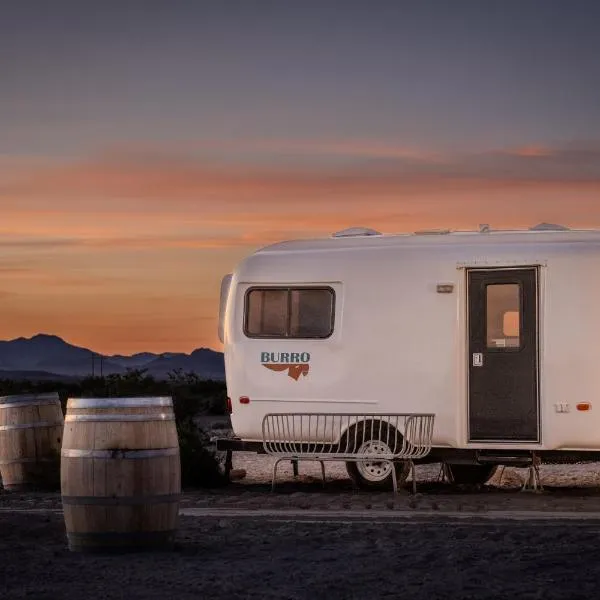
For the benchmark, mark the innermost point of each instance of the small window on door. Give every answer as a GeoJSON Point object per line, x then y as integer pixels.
{"type": "Point", "coordinates": [503, 315]}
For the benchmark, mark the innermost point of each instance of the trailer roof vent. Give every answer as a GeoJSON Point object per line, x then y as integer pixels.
{"type": "Point", "coordinates": [549, 227]}
{"type": "Point", "coordinates": [432, 232]}
{"type": "Point", "coordinates": [355, 231]}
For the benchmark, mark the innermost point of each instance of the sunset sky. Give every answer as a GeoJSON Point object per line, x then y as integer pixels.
{"type": "Point", "coordinates": [146, 146]}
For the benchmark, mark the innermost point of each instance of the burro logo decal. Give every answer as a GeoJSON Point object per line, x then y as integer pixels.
{"type": "Point", "coordinates": [295, 363]}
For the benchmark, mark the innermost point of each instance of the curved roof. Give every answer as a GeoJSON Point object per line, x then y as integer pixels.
{"type": "Point", "coordinates": [368, 238]}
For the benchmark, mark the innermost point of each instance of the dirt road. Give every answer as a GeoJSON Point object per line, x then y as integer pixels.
{"type": "Point", "coordinates": [233, 559]}
{"type": "Point", "coordinates": [455, 543]}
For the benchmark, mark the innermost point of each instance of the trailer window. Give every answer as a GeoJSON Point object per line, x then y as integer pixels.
{"type": "Point", "coordinates": [267, 313]}
{"type": "Point", "coordinates": [289, 312]}
{"type": "Point", "coordinates": [503, 315]}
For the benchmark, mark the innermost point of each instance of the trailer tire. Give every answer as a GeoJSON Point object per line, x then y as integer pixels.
{"type": "Point", "coordinates": [375, 475]}
{"type": "Point", "coordinates": [471, 474]}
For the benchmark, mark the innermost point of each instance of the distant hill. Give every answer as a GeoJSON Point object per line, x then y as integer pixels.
{"type": "Point", "coordinates": [211, 363]}
{"type": "Point", "coordinates": [44, 355]}
{"type": "Point", "coordinates": [36, 375]}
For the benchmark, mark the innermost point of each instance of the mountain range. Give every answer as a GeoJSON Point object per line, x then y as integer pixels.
{"type": "Point", "coordinates": [44, 356]}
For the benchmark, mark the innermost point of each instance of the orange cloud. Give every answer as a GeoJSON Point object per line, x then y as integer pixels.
{"type": "Point", "coordinates": [126, 254]}
{"type": "Point", "coordinates": [162, 183]}
{"type": "Point", "coordinates": [347, 148]}
{"type": "Point", "coordinates": [532, 150]}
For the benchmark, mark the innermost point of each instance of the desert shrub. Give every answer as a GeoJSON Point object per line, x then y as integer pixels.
{"type": "Point", "coordinates": [200, 466]}
{"type": "Point", "coordinates": [135, 382]}
{"type": "Point", "coordinates": [46, 473]}
{"type": "Point", "coordinates": [197, 396]}
{"type": "Point", "coordinates": [192, 396]}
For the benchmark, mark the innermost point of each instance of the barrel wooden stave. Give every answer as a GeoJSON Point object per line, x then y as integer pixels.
{"type": "Point", "coordinates": [31, 428]}
{"type": "Point", "coordinates": [90, 523]}
{"type": "Point", "coordinates": [121, 480]}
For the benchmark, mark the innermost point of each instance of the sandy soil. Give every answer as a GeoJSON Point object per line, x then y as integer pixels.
{"type": "Point", "coordinates": [259, 470]}
{"type": "Point", "coordinates": [252, 559]}
{"type": "Point", "coordinates": [574, 487]}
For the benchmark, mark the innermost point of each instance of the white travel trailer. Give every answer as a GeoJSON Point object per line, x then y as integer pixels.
{"type": "Point", "coordinates": [496, 332]}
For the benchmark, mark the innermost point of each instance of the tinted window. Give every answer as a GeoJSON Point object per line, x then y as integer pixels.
{"type": "Point", "coordinates": [289, 312]}
{"type": "Point", "coordinates": [503, 310]}
{"type": "Point", "coordinates": [267, 313]}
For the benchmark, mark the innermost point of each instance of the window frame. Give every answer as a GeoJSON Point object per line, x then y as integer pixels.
{"type": "Point", "coordinates": [289, 289]}
{"type": "Point", "coordinates": [501, 349]}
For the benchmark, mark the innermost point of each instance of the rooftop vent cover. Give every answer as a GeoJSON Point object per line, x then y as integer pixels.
{"type": "Point", "coordinates": [355, 231]}
{"type": "Point", "coordinates": [432, 232]}
{"type": "Point", "coordinates": [549, 227]}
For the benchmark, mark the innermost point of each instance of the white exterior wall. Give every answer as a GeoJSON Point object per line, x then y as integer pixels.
{"type": "Point", "coordinates": [571, 351]}
{"type": "Point", "coordinates": [399, 346]}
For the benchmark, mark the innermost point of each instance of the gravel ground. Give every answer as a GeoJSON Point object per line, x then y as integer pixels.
{"type": "Point", "coordinates": [574, 487]}
{"type": "Point", "coordinates": [252, 559]}
{"type": "Point", "coordinates": [267, 558]}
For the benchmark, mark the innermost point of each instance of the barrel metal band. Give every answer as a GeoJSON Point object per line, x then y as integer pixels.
{"type": "Point", "coordinates": [117, 453]}
{"type": "Point", "coordinates": [25, 399]}
{"type": "Point", "coordinates": [119, 402]}
{"type": "Point", "coordinates": [30, 403]}
{"type": "Point", "coordinates": [31, 425]}
{"type": "Point", "coordinates": [112, 417]}
{"type": "Point", "coordinates": [120, 500]}
{"type": "Point", "coordinates": [15, 461]}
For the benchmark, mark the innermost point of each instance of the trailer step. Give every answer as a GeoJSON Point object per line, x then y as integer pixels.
{"type": "Point", "coordinates": [509, 461]}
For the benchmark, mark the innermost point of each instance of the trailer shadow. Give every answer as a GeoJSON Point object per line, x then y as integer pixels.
{"type": "Point", "coordinates": [340, 495]}
{"type": "Point", "coordinates": [336, 487]}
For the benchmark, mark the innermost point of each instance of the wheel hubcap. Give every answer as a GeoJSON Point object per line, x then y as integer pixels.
{"type": "Point", "coordinates": [374, 470]}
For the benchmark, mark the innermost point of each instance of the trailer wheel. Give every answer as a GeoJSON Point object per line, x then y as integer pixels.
{"type": "Point", "coordinates": [471, 474]}
{"type": "Point", "coordinates": [374, 474]}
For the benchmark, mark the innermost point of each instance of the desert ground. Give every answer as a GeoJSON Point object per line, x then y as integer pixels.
{"type": "Point", "coordinates": [227, 558]}
{"type": "Point", "coordinates": [306, 541]}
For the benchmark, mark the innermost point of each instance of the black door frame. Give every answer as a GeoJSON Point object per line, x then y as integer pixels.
{"type": "Point", "coordinates": [536, 268]}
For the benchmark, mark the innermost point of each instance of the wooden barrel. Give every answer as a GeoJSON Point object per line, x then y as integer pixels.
{"type": "Point", "coordinates": [120, 474]}
{"type": "Point", "coordinates": [31, 429]}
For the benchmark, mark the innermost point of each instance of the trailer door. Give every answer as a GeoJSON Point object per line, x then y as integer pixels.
{"type": "Point", "coordinates": [503, 355]}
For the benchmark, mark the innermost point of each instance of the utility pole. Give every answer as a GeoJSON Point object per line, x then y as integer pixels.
{"type": "Point", "coordinates": [93, 366]}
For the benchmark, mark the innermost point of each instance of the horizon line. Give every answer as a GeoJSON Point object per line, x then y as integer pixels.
{"type": "Point", "coordinates": [62, 339]}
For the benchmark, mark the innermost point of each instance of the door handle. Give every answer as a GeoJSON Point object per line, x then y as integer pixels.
{"type": "Point", "coordinates": [477, 359]}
